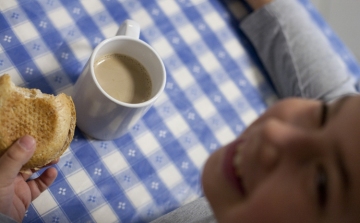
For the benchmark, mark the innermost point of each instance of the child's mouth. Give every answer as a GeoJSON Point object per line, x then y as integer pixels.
{"type": "Point", "coordinates": [237, 161]}
{"type": "Point", "coordinates": [237, 165]}
{"type": "Point", "coordinates": [233, 166]}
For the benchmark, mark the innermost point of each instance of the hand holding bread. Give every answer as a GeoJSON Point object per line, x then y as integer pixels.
{"type": "Point", "coordinates": [49, 119]}
{"type": "Point", "coordinates": [35, 130]}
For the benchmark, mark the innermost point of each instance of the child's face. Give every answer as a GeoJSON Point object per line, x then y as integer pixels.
{"type": "Point", "coordinates": [292, 167]}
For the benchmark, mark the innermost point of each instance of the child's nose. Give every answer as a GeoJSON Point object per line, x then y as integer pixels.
{"type": "Point", "coordinates": [281, 141]}
{"type": "Point", "coordinates": [269, 156]}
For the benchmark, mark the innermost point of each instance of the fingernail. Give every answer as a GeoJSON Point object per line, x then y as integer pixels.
{"type": "Point", "coordinates": [27, 142]}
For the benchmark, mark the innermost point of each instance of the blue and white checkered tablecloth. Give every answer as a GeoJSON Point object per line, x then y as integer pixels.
{"type": "Point", "coordinates": [215, 88]}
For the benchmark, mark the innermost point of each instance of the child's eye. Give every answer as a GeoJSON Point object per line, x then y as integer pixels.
{"type": "Point", "coordinates": [322, 187]}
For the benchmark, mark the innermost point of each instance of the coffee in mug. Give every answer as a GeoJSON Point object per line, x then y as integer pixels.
{"type": "Point", "coordinates": [103, 115]}
{"type": "Point", "coordinates": [123, 78]}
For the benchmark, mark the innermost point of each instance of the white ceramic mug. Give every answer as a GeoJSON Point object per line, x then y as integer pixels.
{"type": "Point", "coordinates": [98, 114]}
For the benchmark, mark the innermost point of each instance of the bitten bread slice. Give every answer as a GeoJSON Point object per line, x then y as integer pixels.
{"type": "Point", "coordinates": [49, 119]}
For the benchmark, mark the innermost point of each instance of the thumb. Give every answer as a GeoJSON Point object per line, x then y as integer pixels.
{"type": "Point", "coordinates": [15, 157]}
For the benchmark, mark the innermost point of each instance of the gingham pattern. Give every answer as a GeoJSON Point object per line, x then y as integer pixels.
{"type": "Point", "coordinates": [215, 88]}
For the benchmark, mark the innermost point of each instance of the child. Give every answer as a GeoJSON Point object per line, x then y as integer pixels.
{"type": "Point", "coordinates": [299, 161]}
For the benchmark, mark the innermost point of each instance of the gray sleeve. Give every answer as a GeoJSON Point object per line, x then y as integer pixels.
{"type": "Point", "coordinates": [296, 54]}
{"type": "Point", "coordinates": [6, 219]}
{"type": "Point", "coordinates": [197, 211]}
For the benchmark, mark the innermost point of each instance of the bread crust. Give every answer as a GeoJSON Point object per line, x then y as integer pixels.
{"type": "Point", "coordinates": [49, 119]}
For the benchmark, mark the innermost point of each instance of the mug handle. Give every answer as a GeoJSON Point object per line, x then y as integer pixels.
{"type": "Point", "coordinates": [129, 28]}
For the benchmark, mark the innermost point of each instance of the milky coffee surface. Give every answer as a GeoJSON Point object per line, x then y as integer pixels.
{"type": "Point", "coordinates": [123, 78]}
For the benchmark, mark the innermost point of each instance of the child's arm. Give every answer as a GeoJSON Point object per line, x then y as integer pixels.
{"type": "Point", "coordinates": [294, 51]}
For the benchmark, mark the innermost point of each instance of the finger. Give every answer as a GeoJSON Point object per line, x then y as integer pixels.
{"type": "Point", "coordinates": [38, 185]}
{"type": "Point", "coordinates": [14, 158]}
{"type": "Point", "coordinates": [26, 174]}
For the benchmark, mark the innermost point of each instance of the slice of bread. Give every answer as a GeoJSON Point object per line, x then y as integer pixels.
{"type": "Point", "coordinates": [49, 119]}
